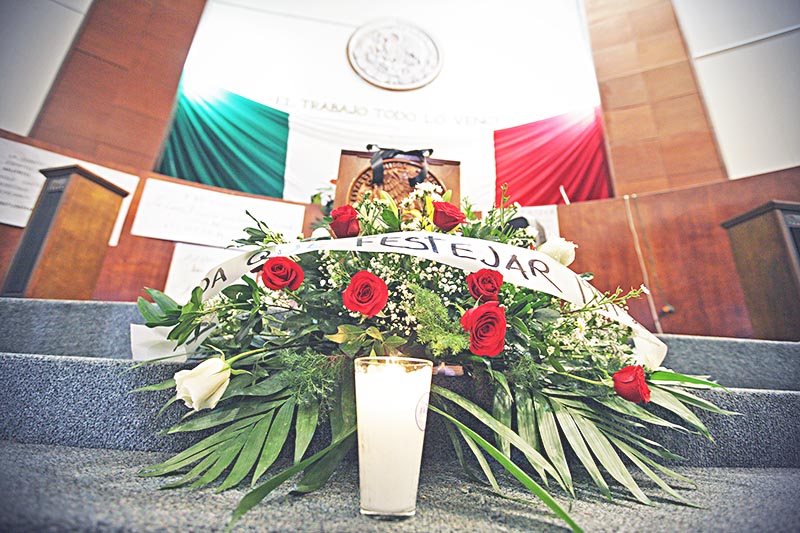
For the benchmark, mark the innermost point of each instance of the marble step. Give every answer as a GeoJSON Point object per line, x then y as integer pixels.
{"type": "Point", "coordinates": [66, 327]}
{"type": "Point", "coordinates": [86, 402]}
{"type": "Point", "coordinates": [59, 488]}
{"type": "Point", "coordinates": [743, 363]}
{"type": "Point", "coordinates": [101, 329]}
{"type": "Point", "coordinates": [83, 398]}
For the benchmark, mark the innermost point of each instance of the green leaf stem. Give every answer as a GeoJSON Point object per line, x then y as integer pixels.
{"type": "Point", "coordinates": [485, 418]}
{"type": "Point", "coordinates": [514, 470]}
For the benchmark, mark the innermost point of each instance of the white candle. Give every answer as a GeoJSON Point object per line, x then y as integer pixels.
{"type": "Point", "coordinates": [391, 408]}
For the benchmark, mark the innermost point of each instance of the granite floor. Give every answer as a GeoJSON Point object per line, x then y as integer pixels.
{"type": "Point", "coordinates": [58, 488]}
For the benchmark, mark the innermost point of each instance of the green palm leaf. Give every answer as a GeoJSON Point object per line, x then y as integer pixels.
{"type": "Point", "coordinates": [514, 470]}
{"type": "Point", "coordinates": [604, 451]}
{"type": "Point", "coordinates": [319, 472]}
{"type": "Point", "coordinates": [634, 457]}
{"type": "Point", "coordinates": [198, 469]}
{"type": "Point", "coordinates": [631, 409]}
{"type": "Point", "coordinates": [482, 462]}
{"type": "Point", "coordinates": [453, 433]}
{"type": "Point", "coordinates": [674, 377]}
{"type": "Point", "coordinates": [578, 445]}
{"type": "Point", "coordinates": [669, 402]}
{"type": "Point", "coordinates": [526, 423]}
{"type": "Point", "coordinates": [691, 399]}
{"type": "Point", "coordinates": [225, 456]}
{"type": "Point", "coordinates": [249, 454]}
{"type": "Point", "coordinates": [305, 425]}
{"type": "Point", "coordinates": [276, 438]}
{"type": "Point", "coordinates": [223, 415]}
{"type": "Point", "coordinates": [501, 410]}
{"type": "Point", "coordinates": [486, 419]}
{"type": "Point", "coordinates": [637, 440]}
{"type": "Point", "coordinates": [262, 491]}
{"type": "Point", "coordinates": [551, 440]}
{"type": "Point", "coordinates": [220, 436]}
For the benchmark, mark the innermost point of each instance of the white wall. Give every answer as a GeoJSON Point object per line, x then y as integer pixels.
{"type": "Point", "coordinates": [746, 54]}
{"type": "Point", "coordinates": [35, 36]}
{"type": "Point", "coordinates": [506, 63]}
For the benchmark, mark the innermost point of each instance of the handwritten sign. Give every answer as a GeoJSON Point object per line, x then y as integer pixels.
{"type": "Point", "coordinates": [183, 213]}
{"type": "Point", "coordinates": [189, 264]}
{"type": "Point", "coordinates": [21, 182]}
{"type": "Point", "coordinates": [545, 216]}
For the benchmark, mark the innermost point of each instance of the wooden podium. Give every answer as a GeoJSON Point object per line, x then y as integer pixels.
{"type": "Point", "coordinates": [766, 248]}
{"type": "Point", "coordinates": [355, 176]}
{"type": "Point", "coordinates": [64, 244]}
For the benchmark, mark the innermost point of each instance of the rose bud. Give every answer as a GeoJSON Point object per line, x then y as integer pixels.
{"type": "Point", "coordinates": [281, 272]}
{"type": "Point", "coordinates": [345, 222]}
{"type": "Point", "coordinates": [446, 216]}
{"type": "Point", "coordinates": [487, 329]}
{"type": "Point", "coordinates": [366, 294]}
{"type": "Point", "coordinates": [630, 384]}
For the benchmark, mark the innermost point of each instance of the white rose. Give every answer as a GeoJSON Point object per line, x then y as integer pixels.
{"type": "Point", "coordinates": [559, 249]}
{"type": "Point", "coordinates": [202, 387]}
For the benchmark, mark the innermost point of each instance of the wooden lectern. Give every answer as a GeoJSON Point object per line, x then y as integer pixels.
{"type": "Point", "coordinates": [766, 248]}
{"type": "Point", "coordinates": [355, 177]}
{"type": "Point", "coordinates": [64, 244]}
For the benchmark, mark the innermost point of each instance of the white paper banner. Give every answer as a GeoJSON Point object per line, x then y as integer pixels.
{"type": "Point", "coordinates": [184, 213]}
{"type": "Point", "coordinates": [189, 262]}
{"type": "Point", "coordinates": [522, 267]}
{"type": "Point", "coordinates": [151, 343]}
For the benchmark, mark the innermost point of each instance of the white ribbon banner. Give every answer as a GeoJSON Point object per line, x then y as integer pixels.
{"type": "Point", "coordinates": [520, 266]}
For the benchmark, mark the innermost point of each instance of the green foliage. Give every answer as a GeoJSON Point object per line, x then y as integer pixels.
{"type": "Point", "coordinates": [312, 375]}
{"type": "Point", "coordinates": [291, 357]}
{"type": "Point", "coordinates": [437, 329]}
{"type": "Point", "coordinates": [355, 340]}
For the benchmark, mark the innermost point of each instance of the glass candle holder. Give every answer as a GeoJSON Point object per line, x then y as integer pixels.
{"type": "Point", "coordinates": [391, 410]}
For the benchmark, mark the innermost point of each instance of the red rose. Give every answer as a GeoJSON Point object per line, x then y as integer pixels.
{"type": "Point", "coordinates": [487, 329]}
{"type": "Point", "coordinates": [366, 294]}
{"type": "Point", "coordinates": [446, 216]}
{"type": "Point", "coordinates": [630, 384]}
{"type": "Point", "coordinates": [281, 272]}
{"type": "Point", "coordinates": [485, 284]}
{"type": "Point", "coordinates": [345, 222]}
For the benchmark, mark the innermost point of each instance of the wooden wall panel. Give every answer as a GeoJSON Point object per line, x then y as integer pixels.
{"type": "Point", "coordinates": [657, 131]}
{"type": "Point", "coordinates": [136, 262]}
{"type": "Point", "coordinates": [114, 94]}
{"type": "Point", "coordinates": [686, 251]}
{"type": "Point", "coordinates": [9, 241]}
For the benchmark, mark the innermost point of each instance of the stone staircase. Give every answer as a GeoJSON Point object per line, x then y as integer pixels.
{"type": "Point", "coordinates": [72, 438]}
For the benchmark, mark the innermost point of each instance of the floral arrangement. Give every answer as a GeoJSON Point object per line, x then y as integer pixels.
{"type": "Point", "coordinates": [274, 350]}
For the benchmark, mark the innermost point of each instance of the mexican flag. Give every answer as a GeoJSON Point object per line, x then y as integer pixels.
{"type": "Point", "coordinates": [229, 141]}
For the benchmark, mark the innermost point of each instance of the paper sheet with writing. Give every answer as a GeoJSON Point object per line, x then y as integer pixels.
{"type": "Point", "coordinates": [545, 215]}
{"type": "Point", "coordinates": [190, 262]}
{"type": "Point", "coordinates": [183, 213]}
{"type": "Point", "coordinates": [21, 182]}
